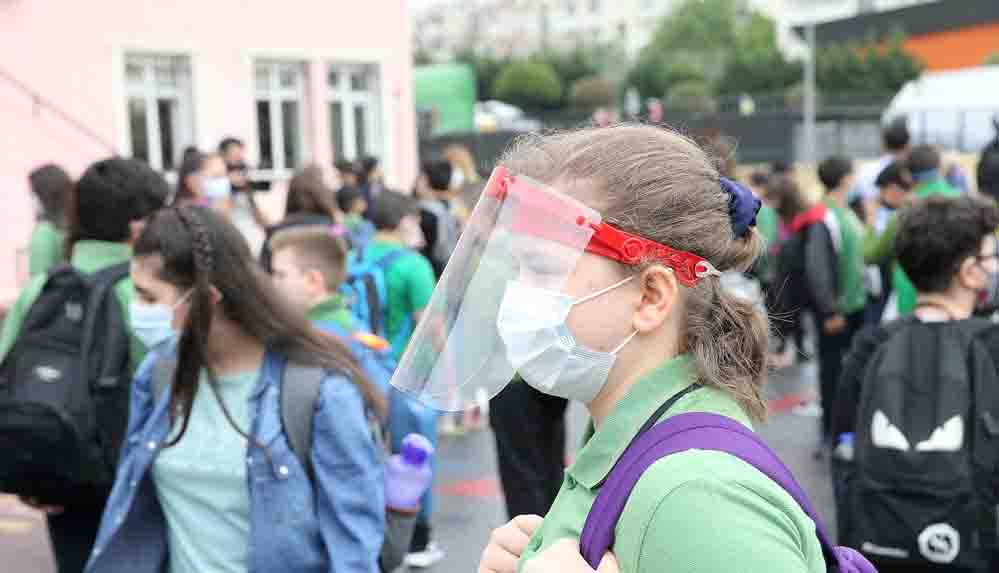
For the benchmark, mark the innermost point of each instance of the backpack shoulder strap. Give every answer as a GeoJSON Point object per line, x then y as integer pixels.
{"type": "Point", "coordinates": [388, 258]}
{"type": "Point", "coordinates": [681, 433]}
{"type": "Point", "coordinates": [300, 388]}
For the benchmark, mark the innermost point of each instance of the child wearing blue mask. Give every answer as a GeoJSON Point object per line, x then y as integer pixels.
{"type": "Point", "coordinates": [591, 267]}
{"type": "Point", "coordinates": [211, 477]}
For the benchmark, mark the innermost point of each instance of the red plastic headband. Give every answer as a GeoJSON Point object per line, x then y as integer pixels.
{"type": "Point", "coordinates": [555, 217]}
{"type": "Point", "coordinates": [623, 247]}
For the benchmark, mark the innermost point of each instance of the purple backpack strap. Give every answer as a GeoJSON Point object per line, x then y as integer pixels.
{"type": "Point", "coordinates": [701, 431]}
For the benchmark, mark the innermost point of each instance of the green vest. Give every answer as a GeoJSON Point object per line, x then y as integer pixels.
{"type": "Point", "coordinates": [852, 291]}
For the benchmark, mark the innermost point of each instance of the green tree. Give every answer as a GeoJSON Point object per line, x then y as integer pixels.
{"type": "Point", "coordinates": [992, 60]}
{"type": "Point", "coordinates": [528, 84]}
{"type": "Point", "coordinates": [871, 67]}
{"type": "Point", "coordinates": [756, 64]}
{"type": "Point", "coordinates": [487, 69]}
{"type": "Point", "coordinates": [734, 49]}
{"type": "Point", "coordinates": [692, 96]}
{"type": "Point", "coordinates": [592, 92]}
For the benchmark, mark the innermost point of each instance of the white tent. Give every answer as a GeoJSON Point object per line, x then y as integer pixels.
{"type": "Point", "coordinates": [952, 109]}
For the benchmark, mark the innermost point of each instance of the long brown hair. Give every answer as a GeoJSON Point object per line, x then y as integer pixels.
{"type": "Point", "coordinates": [309, 194]}
{"type": "Point", "coordinates": [200, 250]}
{"type": "Point", "coordinates": [660, 185]}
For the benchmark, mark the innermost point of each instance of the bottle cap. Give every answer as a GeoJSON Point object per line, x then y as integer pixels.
{"type": "Point", "coordinates": [416, 449]}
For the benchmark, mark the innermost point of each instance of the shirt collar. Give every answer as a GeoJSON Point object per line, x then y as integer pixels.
{"type": "Point", "coordinates": [92, 256]}
{"type": "Point", "coordinates": [328, 308]}
{"type": "Point", "coordinates": [602, 447]}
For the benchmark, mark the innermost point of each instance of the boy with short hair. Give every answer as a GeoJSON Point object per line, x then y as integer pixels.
{"type": "Point", "coordinates": [918, 402]}
{"type": "Point", "coordinates": [309, 265]}
{"type": "Point", "coordinates": [440, 225]}
{"type": "Point", "coordinates": [923, 164]}
{"type": "Point", "coordinates": [106, 212]}
{"type": "Point", "coordinates": [410, 282]}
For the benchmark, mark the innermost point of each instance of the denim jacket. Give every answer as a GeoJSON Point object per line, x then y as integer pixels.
{"type": "Point", "coordinates": [334, 525]}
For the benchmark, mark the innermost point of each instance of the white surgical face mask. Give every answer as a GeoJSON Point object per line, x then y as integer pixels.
{"type": "Point", "coordinates": [216, 188]}
{"type": "Point", "coordinates": [152, 324]}
{"type": "Point", "coordinates": [531, 322]}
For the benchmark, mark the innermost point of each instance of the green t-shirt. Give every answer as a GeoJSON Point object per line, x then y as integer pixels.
{"type": "Point", "coordinates": [410, 282]}
{"type": "Point", "coordinates": [46, 248]}
{"type": "Point", "coordinates": [852, 291]}
{"type": "Point", "coordinates": [89, 257]}
{"type": "Point", "coordinates": [698, 510]}
{"type": "Point", "coordinates": [201, 481]}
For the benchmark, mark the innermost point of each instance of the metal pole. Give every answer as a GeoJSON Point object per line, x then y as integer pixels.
{"type": "Point", "coordinates": [809, 99]}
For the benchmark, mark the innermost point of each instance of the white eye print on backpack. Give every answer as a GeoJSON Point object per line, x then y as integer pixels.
{"type": "Point", "coordinates": [949, 437]}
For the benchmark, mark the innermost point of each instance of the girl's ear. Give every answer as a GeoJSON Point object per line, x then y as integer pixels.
{"type": "Point", "coordinates": [660, 292]}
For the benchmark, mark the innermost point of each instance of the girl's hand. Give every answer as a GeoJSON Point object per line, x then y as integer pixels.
{"type": "Point", "coordinates": [507, 544]}
{"type": "Point", "coordinates": [565, 557]}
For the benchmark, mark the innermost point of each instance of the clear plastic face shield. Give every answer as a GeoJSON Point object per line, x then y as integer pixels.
{"type": "Point", "coordinates": [519, 231]}
{"type": "Point", "coordinates": [527, 238]}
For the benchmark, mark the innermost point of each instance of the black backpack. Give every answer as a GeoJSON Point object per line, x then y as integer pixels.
{"type": "Point", "coordinates": [64, 390]}
{"type": "Point", "coordinates": [926, 448]}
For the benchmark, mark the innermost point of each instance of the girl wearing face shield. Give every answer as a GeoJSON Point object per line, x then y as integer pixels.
{"type": "Point", "coordinates": [591, 268]}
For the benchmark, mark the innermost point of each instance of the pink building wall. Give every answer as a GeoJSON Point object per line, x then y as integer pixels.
{"type": "Point", "coordinates": [72, 55]}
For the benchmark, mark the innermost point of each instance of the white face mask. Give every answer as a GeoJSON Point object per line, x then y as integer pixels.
{"type": "Point", "coordinates": [216, 188]}
{"type": "Point", "coordinates": [152, 324]}
{"type": "Point", "coordinates": [531, 322]}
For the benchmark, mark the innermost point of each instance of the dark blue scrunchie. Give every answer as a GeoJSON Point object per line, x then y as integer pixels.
{"type": "Point", "coordinates": [743, 205]}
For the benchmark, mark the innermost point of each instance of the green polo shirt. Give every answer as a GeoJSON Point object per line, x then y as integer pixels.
{"type": "Point", "coordinates": [46, 247]}
{"type": "Point", "coordinates": [700, 511]}
{"type": "Point", "coordinates": [88, 257]}
{"type": "Point", "coordinates": [332, 310]}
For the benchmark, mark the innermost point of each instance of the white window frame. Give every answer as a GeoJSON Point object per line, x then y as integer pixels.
{"type": "Point", "coordinates": [150, 93]}
{"type": "Point", "coordinates": [370, 99]}
{"type": "Point", "coordinates": [275, 95]}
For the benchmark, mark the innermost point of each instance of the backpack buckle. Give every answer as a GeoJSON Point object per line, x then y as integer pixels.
{"type": "Point", "coordinates": [991, 424]}
{"type": "Point", "coordinates": [108, 382]}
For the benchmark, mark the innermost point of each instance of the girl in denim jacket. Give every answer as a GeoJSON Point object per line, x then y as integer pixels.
{"type": "Point", "coordinates": [207, 480]}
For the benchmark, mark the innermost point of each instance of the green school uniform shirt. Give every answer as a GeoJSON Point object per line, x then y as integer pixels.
{"type": "Point", "coordinates": [879, 249]}
{"type": "Point", "coordinates": [46, 248]}
{"type": "Point", "coordinates": [410, 282]}
{"type": "Point", "coordinates": [332, 310]}
{"type": "Point", "coordinates": [700, 511]}
{"type": "Point", "coordinates": [89, 257]}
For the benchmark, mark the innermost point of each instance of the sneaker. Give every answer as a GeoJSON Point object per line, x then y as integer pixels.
{"type": "Point", "coordinates": [431, 555]}
{"type": "Point", "coordinates": [808, 410]}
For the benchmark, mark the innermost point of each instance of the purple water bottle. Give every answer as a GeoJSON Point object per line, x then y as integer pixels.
{"type": "Point", "coordinates": [408, 475]}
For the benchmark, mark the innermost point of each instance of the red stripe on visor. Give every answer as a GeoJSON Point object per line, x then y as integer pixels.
{"type": "Point", "coordinates": [557, 217]}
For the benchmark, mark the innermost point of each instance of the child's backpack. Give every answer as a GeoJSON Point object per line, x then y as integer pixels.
{"type": "Point", "coordinates": [366, 288]}
{"type": "Point", "coordinates": [64, 390]}
{"type": "Point", "coordinates": [923, 490]}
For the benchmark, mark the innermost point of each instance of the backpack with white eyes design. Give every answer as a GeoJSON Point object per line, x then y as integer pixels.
{"type": "Point", "coordinates": [923, 489]}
